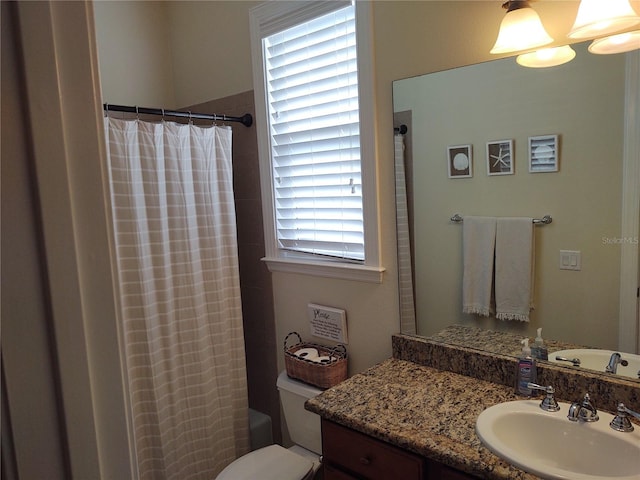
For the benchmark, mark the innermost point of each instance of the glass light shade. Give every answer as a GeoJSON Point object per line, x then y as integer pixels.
{"type": "Point", "coordinates": [521, 29]}
{"type": "Point", "coordinates": [547, 57]}
{"type": "Point", "coordinates": [602, 17]}
{"type": "Point", "coordinates": [622, 42]}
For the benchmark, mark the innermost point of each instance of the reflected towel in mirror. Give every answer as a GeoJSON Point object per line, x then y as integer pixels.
{"type": "Point", "coordinates": [478, 245]}
{"type": "Point", "coordinates": [514, 265]}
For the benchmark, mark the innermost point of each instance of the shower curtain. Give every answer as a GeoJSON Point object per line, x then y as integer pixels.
{"type": "Point", "coordinates": [405, 276]}
{"type": "Point", "coordinates": [175, 235]}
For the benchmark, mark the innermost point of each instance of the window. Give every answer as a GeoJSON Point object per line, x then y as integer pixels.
{"type": "Point", "coordinates": [313, 168]}
{"type": "Point", "coordinates": [312, 88]}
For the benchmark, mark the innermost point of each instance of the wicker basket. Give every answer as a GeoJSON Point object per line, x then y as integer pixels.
{"type": "Point", "coordinates": [324, 374]}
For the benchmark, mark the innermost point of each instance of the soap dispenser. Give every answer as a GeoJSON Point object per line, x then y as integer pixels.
{"type": "Point", "coordinates": [539, 350]}
{"type": "Point", "coordinates": [526, 372]}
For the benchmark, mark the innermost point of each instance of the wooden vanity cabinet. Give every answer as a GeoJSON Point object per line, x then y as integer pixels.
{"type": "Point", "coordinates": [438, 471]}
{"type": "Point", "coordinates": [351, 455]}
{"type": "Point", "coordinates": [357, 456]}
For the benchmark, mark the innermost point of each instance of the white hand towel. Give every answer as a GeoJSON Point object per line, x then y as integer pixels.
{"type": "Point", "coordinates": [514, 268]}
{"type": "Point", "coordinates": [478, 246]}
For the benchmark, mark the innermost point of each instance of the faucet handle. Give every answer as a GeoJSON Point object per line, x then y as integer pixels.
{"type": "Point", "coordinates": [549, 403]}
{"type": "Point", "coordinates": [583, 410]}
{"type": "Point", "coordinates": [587, 403]}
{"type": "Point", "coordinates": [621, 421]}
{"type": "Point", "coordinates": [574, 361]}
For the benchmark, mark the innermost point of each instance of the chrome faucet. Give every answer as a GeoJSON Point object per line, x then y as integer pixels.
{"type": "Point", "coordinates": [549, 403]}
{"type": "Point", "coordinates": [621, 421]}
{"type": "Point", "coordinates": [583, 410]}
{"type": "Point", "coordinates": [614, 361]}
{"type": "Point", "coordinates": [574, 361]}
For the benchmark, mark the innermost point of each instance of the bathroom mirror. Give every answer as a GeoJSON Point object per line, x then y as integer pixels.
{"type": "Point", "coordinates": [582, 105]}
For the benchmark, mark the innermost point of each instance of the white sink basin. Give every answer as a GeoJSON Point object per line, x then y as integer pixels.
{"type": "Point", "coordinates": [596, 359]}
{"type": "Point", "coordinates": [553, 447]}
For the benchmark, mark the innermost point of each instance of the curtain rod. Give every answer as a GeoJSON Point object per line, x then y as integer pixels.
{"type": "Point", "coordinates": [246, 119]}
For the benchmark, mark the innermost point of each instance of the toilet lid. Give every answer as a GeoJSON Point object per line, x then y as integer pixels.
{"type": "Point", "coordinates": [269, 463]}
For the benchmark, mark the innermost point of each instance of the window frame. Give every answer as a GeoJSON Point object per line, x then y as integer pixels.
{"type": "Point", "coordinates": [266, 19]}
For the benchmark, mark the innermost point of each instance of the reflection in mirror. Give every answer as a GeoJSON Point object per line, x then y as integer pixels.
{"type": "Point", "coordinates": [583, 104]}
{"type": "Point", "coordinates": [625, 366]}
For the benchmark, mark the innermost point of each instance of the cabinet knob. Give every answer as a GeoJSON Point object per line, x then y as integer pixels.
{"type": "Point", "coordinates": [365, 460]}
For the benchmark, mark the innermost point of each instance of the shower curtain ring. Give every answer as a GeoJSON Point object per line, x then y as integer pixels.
{"type": "Point", "coordinates": [137, 113]}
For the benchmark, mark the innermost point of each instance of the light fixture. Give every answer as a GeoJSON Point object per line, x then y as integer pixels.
{"type": "Point", "coordinates": [521, 29]}
{"type": "Point", "coordinates": [622, 42]}
{"type": "Point", "coordinates": [597, 18]}
{"type": "Point", "coordinates": [547, 57]}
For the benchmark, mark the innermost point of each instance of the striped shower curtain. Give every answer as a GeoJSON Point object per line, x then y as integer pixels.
{"type": "Point", "coordinates": [181, 319]}
{"type": "Point", "coordinates": [405, 275]}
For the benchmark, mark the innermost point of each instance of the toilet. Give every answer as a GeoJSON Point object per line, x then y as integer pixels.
{"type": "Point", "coordinates": [274, 462]}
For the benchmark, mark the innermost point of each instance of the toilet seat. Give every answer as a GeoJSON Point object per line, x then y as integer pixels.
{"type": "Point", "coordinates": [269, 463]}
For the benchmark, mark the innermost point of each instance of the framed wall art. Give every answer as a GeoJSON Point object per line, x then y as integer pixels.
{"type": "Point", "coordinates": [460, 161]}
{"type": "Point", "coordinates": [500, 159]}
{"type": "Point", "coordinates": [543, 154]}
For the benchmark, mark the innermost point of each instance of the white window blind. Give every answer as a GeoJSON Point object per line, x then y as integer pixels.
{"type": "Point", "coordinates": [312, 96]}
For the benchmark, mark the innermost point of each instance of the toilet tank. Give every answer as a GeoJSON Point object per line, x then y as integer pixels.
{"type": "Point", "coordinates": [303, 425]}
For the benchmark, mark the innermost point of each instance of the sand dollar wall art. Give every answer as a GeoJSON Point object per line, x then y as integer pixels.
{"type": "Point", "coordinates": [460, 161]}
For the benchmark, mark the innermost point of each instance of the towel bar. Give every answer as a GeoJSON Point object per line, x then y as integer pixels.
{"type": "Point", "coordinates": [546, 220]}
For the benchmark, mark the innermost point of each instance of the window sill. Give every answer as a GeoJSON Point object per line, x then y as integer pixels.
{"type": "Point", "coordinates": [344, 271]}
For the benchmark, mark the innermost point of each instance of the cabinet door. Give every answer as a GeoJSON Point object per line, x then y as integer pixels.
{"type": "Point", "coordinates": [331, 473]}
{"type": "Point", "coordinates": [367, 457]}
{"type": "Point", "coordinates": [438, 471]}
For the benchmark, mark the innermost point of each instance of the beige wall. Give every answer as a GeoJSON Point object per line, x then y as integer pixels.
{"type": "Point", "coordinates": [62, 156]}
{"type": "Point", "coordinates": [211, 59]}
{"type": "Point", "coordinates": [582, 102]}
{"type": "Point", "coordinates": [173, 53]}
{"type": "Point", "coordinates": [134, 51]}
{"type": "Point", "coordinates": [29, 397]}
{"type": "Point", "coordinates": [211, 51]}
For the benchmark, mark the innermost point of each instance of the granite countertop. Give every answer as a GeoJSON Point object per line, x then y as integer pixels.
{"type": "Point", "coordinates": [421, 409]}
{"type": "Point", "coordinates": [499, 343]}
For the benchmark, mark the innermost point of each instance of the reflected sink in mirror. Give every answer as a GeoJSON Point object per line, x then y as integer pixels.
{"type": "Point", "coordinates": [549, 445]}
{"type": "Point", "coordinates": [506, 343]}
{"type": "Point", "coordinates": [597, 359]}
